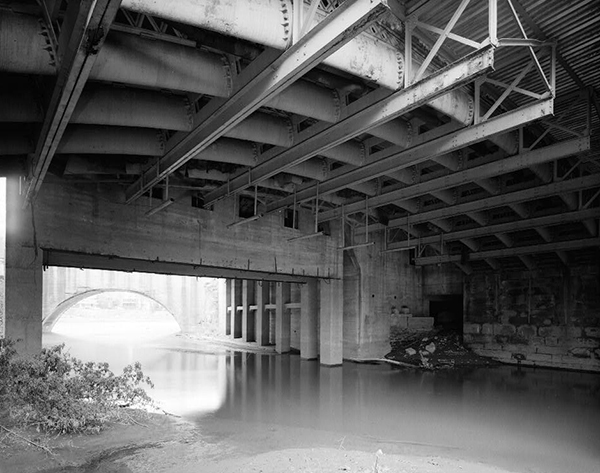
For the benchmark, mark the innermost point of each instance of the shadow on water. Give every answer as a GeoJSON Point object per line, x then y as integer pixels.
{"type": "Point", "coordinates": [517, 418]}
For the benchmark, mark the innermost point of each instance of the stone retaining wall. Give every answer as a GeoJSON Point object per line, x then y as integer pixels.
{"type": "Point", "coordinates": [552, 346]}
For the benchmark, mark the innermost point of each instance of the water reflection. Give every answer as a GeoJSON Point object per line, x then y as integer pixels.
{"type": "Point", "coordinates": [539, 419]}
{"type": "Point", "coordinates": [185, 382]}
{"type": "Point", "coordinates": [523, 420]}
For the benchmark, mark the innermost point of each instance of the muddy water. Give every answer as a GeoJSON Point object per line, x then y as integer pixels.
{"type": "Point", "coordinates": [523, 420]}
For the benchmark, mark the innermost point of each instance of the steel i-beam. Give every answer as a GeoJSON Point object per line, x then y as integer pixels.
{"type": "Point", "coordinates": [360, 117]}
{"type": "Point", "coordinates": [89, 31]}
{"type": "Point", "coordinates": [265, 77]}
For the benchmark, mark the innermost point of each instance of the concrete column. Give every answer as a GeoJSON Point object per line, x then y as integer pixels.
{"type": "Point", "coordinates": [309, 316]}
{"type": "Point", "coordinates": [282, 318]}
{"type": "Point", "coordinates": [236, 316]}
{"type": "Point", "coordinates": [228, 307]}
{"type": "Point", "coordinates": [23, 278]}
{"type": "Point", "coordinates": [331, 327]}
{"type": "Point", "coordinates": [248, 325]}
{"type": "Point", "coordinates": [262, 315]}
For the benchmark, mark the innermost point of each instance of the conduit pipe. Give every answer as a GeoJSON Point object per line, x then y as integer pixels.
{"type": "Point", "coordinates": [268, 22]}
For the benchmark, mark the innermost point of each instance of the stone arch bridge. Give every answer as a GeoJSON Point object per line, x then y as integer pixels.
{"type": "Point", "coordinates": [193, 302]}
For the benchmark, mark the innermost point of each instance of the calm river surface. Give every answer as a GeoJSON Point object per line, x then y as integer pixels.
{"type": "Point", "coordinates": [523, 420]}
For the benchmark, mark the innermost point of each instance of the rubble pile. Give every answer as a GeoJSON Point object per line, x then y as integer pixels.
{"type": "Point", "coordinates": [435, 349]}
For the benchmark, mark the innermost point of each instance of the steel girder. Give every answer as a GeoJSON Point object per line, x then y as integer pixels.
{"type": "Point", "coordinates": [503, 166]}
{"type": "Point", "coordinates": [265, 77]}
{"type": "Point", "coordinates": [81, 43]}
{"type": "Point", "coordinates": [514, 251]}
{"type": "Point", "coordinates": [360, 117]}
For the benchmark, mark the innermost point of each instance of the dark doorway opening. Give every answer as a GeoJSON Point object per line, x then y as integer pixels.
{"type": "Point", "coordinates": [447, 312]}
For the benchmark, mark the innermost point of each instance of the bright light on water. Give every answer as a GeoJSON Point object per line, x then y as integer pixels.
{"type": "Point", "coordinates": [122, 328]}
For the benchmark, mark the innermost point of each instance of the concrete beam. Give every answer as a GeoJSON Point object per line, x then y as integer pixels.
{"type": "Point", "coordinates": [84, 40]}
{"type": "Point", "coordinates": [489, 185]}
{"type": "Point", "coordinates": [361, 116]}
{"type": "Point", "coordinates": [591, 225]}
{"type": "Point", "coordinates": [259, 82]}
{"type": "Point", "coordinates": [515, 251]}
{"type": "Point", "coordinates": [505, 238]}
{"type": "Point", "coordinates": [520, 209]}
{"type": "Point", "coordinates": [115, 263]}
{"type": "Point", "coordinates": [500, 230]}
{"type": "Point", "coordinates": [528, 261]}
{"type": "Point", "coordinates": [564, 257]}
{"type": "Point", "coordinates": [544, 233]}
{"type": "Point", "coordinates": [480, 217]}
{"type": "Point", "coordinates": [537, 192]}
{"type": "Point", "coordinates": [443, 223]}
{"type": "Point", "coordinates": [493, 263]}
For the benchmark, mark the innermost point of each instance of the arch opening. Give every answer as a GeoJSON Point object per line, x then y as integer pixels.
{"type": "Point", "coordinates": [112, 314]}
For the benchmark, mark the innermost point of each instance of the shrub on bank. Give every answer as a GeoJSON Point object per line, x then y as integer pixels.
{"type": "Point", "coordinates": [57, 392]}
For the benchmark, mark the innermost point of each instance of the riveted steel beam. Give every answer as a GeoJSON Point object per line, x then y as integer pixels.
{"type": "Point", "coordinates": [515, 251]}
{"type": "Point", "coordinates": [83, 41]}
{"type": "Point", "coordinates": [360, 117]}
{"type": "Point", "coordinates": [264, 78]}
{"type": "Point", "coordinates": [392, 159]}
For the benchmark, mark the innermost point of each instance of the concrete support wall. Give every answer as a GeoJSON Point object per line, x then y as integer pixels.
{"type": "Point", "coordinates": [23, 282]}
{"type": "Point", "coordinates": [542, 318]}
{"type": "Point", "coordinates": [71, 219]}
{"type": "Point", "coordinates": [374, 285]}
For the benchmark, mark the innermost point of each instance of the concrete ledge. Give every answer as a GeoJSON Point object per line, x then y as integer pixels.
{"type": "Point", "coordinates": [420, 324]}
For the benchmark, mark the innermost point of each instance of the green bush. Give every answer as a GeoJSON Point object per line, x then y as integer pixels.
{"type": "Point", "coordinates": [57, 392]}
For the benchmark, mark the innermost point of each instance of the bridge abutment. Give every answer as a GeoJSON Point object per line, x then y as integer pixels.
{"type": "Point", "coordinates": [23, 278]}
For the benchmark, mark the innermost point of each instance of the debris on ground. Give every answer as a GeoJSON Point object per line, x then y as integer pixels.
{"type": "Point", "coordinates": [435, 349]}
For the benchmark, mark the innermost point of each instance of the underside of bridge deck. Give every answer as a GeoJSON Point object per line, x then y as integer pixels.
{"type": "Point", "coordinates": [378, 153]}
